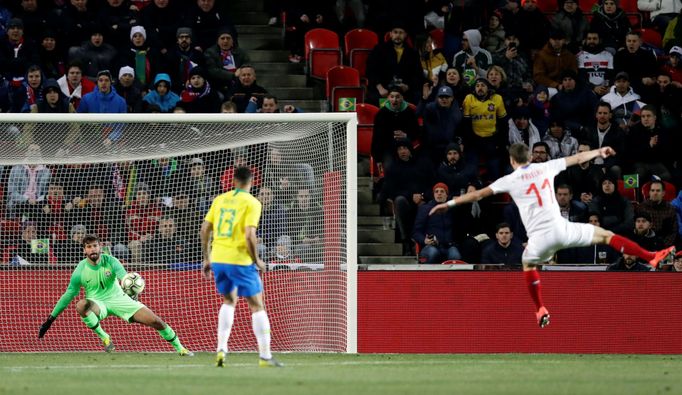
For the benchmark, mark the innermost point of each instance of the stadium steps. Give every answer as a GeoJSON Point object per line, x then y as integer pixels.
{"type": "Point", "coordinates": [248, 17]}
{"type": "Point", "coordinates": [293, 81]}
{"type": "Point", "coordinates": [374, 249]}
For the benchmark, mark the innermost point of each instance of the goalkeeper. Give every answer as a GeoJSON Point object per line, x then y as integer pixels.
{"type": "Point", "coordinates": [98, 274]}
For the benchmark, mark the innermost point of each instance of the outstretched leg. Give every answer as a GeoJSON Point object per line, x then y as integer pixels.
{"type": "Point", "coordinates": [532, 278]}
{"type": "Point", "coordinates": [89, 312]}
{"type": "Point", "coordinates": [626, 246]}
{"type": "Point", "coordinates": [147, 317]}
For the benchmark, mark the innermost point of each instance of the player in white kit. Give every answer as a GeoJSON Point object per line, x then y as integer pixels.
{"type": "Point", "coordinates": [531, 186]}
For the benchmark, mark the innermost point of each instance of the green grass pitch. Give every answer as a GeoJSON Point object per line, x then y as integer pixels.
{"type": "Point", "coordinates": [151, 373]}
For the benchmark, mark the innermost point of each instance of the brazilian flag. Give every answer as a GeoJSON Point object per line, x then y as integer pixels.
{"type": "Point", "coordinates": [346, 104]}
{"type": "Point", "coordinates": [631, 181]}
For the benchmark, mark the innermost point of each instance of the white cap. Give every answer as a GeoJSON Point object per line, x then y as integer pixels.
{"type": "Point", "coordinates": [138, 29]}
{"type": "Point", "coordinates": [676, 50]}
{"type": "Point", "coordinates": [126, 70]}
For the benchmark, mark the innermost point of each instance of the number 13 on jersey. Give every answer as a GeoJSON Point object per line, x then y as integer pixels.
{"type": "Point", "coordinates": [226, 222]}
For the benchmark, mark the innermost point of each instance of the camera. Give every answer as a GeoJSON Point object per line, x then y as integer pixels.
{"type": "Point", "coordinates": [511, 46]}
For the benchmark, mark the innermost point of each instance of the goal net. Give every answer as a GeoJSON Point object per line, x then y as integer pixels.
{"type": "Point", "coordinates": [145, 192]}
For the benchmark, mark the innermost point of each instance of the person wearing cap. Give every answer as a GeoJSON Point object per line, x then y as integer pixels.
{"type": "Point", "coordinates": [143, 58]}
{"type": "Point", "coordinates": [673, 66]}
{"type": "Point", "coordinates": [644, 234]}
{"type": "Point", "coordinates": [394, 121]}
{"type": "Point", "coordinates": [472, 61]}
{"type": "Point", "coordinates": [617, 214]}
{"type": "Point", "coordinates": [223, 59]}
{"type": "Point", "coordinates": [434, 233]}
{"type": "Point", "coordinates": [639, 63]}
{"type": "Point", "coordinates": [198, 96]}
{"type": "Point", "coordinates": [571, 20]}
{"type": "Point", "coordinates": [558, 138]}
{"type": "Point", "coordinates": [612, 24]}
{"type": "Point", "coordinates": [53, 101]}
{"type": "Point", "coordinates": [181, 57]}
{"type": "Point", "coordinates": [16, 53]}
{"type": "Point", "coordinates": [595, 64]}
{"type": "Point", "coordinates": [161, 95]}
{"type": "Point", "coordinates": [552, 60]}
{"type": "Point", "coordinates": [205, 18]}
{"type": "Point", "coordinates": [484, 114]}
{"type": "Point", "coordinates": [522, 129]}
{"type": "Point", "coordinates": [661, 213]}
{"type": "Point", "coordinates": [454, 171]}
{"type": "Point", "coordinates": [673, 32]}
{"type": "Point", "coordinates": [96, 53]}
{"type": "Point", "coordinates": [406, 182]}
{"type": "Point", "coordinates": [624, 102]}
{"type": "Point", "coordinates": [394, 62]}
{"type": "Point", "coordinates": [441, 122]}
{"type": "Point", "coordinates": [130, 89]}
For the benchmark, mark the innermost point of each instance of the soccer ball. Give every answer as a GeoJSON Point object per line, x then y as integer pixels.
{"type": "Point", "coordinates": [132, 284]}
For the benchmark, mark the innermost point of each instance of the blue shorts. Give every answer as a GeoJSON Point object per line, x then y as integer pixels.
{"type": "Point", "coordinates": [244, 278]}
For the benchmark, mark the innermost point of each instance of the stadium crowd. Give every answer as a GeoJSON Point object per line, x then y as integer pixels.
{"type": "Point", "coordinates": [560, 80]}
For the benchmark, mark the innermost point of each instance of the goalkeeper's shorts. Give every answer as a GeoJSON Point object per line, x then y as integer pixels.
{"type": "Point", "coordinates": [120, 306]}
{"type": "Point", "coordinates": [244, 278]}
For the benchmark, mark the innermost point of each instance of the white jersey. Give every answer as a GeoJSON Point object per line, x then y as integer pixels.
{"type": "Point", "coordinates": [596, 66]}
{"type": "Point", "coordinates": [532, 188]}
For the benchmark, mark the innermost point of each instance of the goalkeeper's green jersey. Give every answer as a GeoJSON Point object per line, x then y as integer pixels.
{"type": "Point", "coordinates": [100, 282]}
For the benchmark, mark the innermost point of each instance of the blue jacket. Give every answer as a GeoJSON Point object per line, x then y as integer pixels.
{"type": "Point", "coordinates": [677, 204]}
{"type": "Point", "coordinates": [439, 225]}
{"type": "Point", "coordinates": [166, 102]}
{"type": "Point", "coordinates": [97, 102]}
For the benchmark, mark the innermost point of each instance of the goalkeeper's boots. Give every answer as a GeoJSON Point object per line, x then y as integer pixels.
{"type": "Point", "coordinates": [220, 359]}
{"type": "Point", "coordinates": [108, 345]}
{"type": "Point", "coordinates": [269, 363]}
{"type": "Point", "coordinates": [185, 353]}
{"type": "Point", "coordinates": [542, 316]}
{"type": "Point", "coordinates": [665, 256]}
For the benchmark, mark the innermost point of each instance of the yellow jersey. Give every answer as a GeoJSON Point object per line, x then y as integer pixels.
{"type": "Point", "coordinates": [484, 114]}
{"type": "Point", "coordinates": [231, 213]}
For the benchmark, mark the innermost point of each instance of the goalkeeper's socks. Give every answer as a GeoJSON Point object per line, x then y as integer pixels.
{"type": "Point", "coordinates": [626, 246]}
{"type": "Point", "coordinates": [169, 335]}
{"type": "Point", "coordinates": [261, 328]}
{"type": "Point", "coordinates": [92, 322]}
{"type": "Point", "coordinates": [225, 320]}
{"type": "Point", "coordinates": [532, 278]}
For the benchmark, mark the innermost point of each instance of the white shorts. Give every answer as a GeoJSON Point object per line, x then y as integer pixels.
{"type": "Point", "coordinates": [543, 245]}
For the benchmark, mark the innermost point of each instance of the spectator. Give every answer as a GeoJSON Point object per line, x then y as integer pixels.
{"type": "Point", "coordinates": [100, 214]}
{"type": "Point", "coordinates": [583, 179]}
{"type": "Point", "coordinates": [166, 246]}
{"type": "Point", "coordinates": [144, 59]}
{"type": "Point", "coordinates": [228, 107]}
{"type": "Point", "coordinates": [72, 84]}
{"type": "Point", "coordinates": [677, 205]}
{"type": "Point", "coordinates": [95, 53]}
{"type": "Point", "coordinates": [515, 63]}
{"type": "Point", "coordinates": [595, 64]}
{"type": "Point", "coordinates": [552, 61]}
{"type": "Point", "coordinates": [181, 58]}
{"type": "Point", "coordinates": [142, 219]}
{"type": "Point", "coordinates": [117, 18]}
{"type": "Point", "coordinates": [104, 99]}
{"type": "Point", "coordinates": [240, 157]}
{"type": "Point", "coordinates": [130, 89]}
{"type": "Point", "coordinates": [394, 63]}
{"type": "Point", "coordinates": [53, 100]}
{"type": "Point", "coordinates": [303, 16]}
{"type": "Point", "coordinates": [305, 221]}
{"type": "Point", "coordinates": [394, 121]}
{"type": "Point", "coordinates": [605, 134]}
{"type": "Point", "coordinates": [186, 217]}
{"type": "Point", "coordinates": [454, 171]}
{"type": "Point", "coordinates": [629, 263]}
{"type": "Point", "coordinates": [77, 21]}
{"type": "Point", "coordinates": [285, 175]}
{"type": "Point", "coordinates": [435, 15]}
{"type": "Point", "coordinates": [71, 250]}
{"type": "Point", "coordinates": [615, 211]}
{"type": "Point", "coordinates": [273, 221]}
{"type": "Point", "coordinates": [270, 106]}
{"type": "Point", "coordinates": [283, 253]}
{"type": "Point", "coordinates": [561, 143]}
{"type": "Point", "coordinates": [162, 176]}
{"type": "Point", "coordinates": [504, 250]}
{"type": "Point", "coordinates": [611, 23]}
{"type": "Point", "coordinates": [498, 81]}
{"type": "Point", "coordinates": [161, 95]}
{"type": "Point", "coordinates": [32, 248]}
{"type": "Point", "coordinates": [677, 263]}
{"type": "Point", "coordinates": [661, 214]}
{"type": "Point", "coordinates": [484, 110]}
{"type": "Point", "coordinates": [624, 102]}
{"type": "Point", "coordinates": [667, 97]}
{"type": "Point", "coordinates": [644, 234]}
{"type": "Point", "coordinates": [161, 19]}
{"type": "Point", "coordinates": [472, 61]}
{"type": "Point", "coordinates": [441, 121]}
{"type": "Point", "coordinates": [522, 129]}
{"type": "Point", "coordinates": [673, 36]}
{"type": "Point", "coordinates": [533, 26]}
{"type": "Point", "coordinates": [434, 232]}
{"type": "Point", "coordinates": [205, 18]}
{"type": "Point", "coordinates": [640, 64]}
{"type": "Point", "coordinates": [574, 103]}
{"type": "Point", "coordinates": [661, 12]}
{"type": "Point", "coordinates": [246, 88]}
{"type": "Point", "coordinates": [16, 53]}
{"type": "Point", "coordinates": [648, 146]}
{"type": "Point", "coordinates": [569, 208]}
{"type": "Point", "coordinates": [433, 62]}
{"type": "Point", "coordinates": [223, 60]}
{"type": "Point", "coordinates": [202, 187]}
{"type": "Point", "coordinates": [540, 152]}
{"type": "Point", "coordinates": [56, 208]}
{"type": "Point", "coordinates": [27, 186]}
{"type": "Point", "coordinates": [406, 181]}
{"type": "Point", "coordinates": [571, 20]}
{"type": "Point", "coordinates": [30, 91]}
{"type": "Point", "coordinates": [597, 254]}
{"type": "Point", "coordinates": [452, 79]}
{"type": "Point", "coordinates": [198, 97]}
{"type": "Point", "coordinates": [540, 109]}
{"type": "Point", "coordinates": [51, 55]}
{"type": "Point", "coordinates": [493, 34]}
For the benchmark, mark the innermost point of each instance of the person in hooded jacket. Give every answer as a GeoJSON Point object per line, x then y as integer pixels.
{"type": "Point", "coordinates": [612, 24]}
{"type": "Point", "coordinates": [616, 211]}
{"type": "Point", "coordinates": [161, 95]}
{"type": "Point", "coordinates": [472, 61]}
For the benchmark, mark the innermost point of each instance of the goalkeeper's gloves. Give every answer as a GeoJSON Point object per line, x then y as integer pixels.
{"type": "Point", "coordinates": [135, 297]}
{"type": "Point", "coordinates": [46, 326]}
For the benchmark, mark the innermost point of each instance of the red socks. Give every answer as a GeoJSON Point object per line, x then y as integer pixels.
{"type": "Point", "coordinates": [623, 245]}
{"type": "Point", "coordinates": [533, 282]}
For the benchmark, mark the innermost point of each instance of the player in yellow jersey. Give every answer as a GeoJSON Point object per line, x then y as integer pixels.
{"type": "Point", "coordinates": [232, 220]}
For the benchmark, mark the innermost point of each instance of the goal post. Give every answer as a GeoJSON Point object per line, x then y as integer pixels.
{"type": "Point", "coordinates": [143, 183]}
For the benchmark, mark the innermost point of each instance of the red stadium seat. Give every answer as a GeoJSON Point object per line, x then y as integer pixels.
{"type": "Point", "coordinates": [438, 38]}
{"type": "Point", "coordinates": [366, 114]}
{"type": "Point", "coordinates": [322, 52]}
{"type": "Point", "coordinates": [344, 81]}
{"type": "Point", "coordinates": [651, 37]}
{"type": "Point", "coordinates": [359, 43]}
{"type": "Point", "coordinates": [670, 191]}
{"type": "Point", "coordinates": [548, 6]}
{"type": "Point", "coordinates": [629, 193]}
